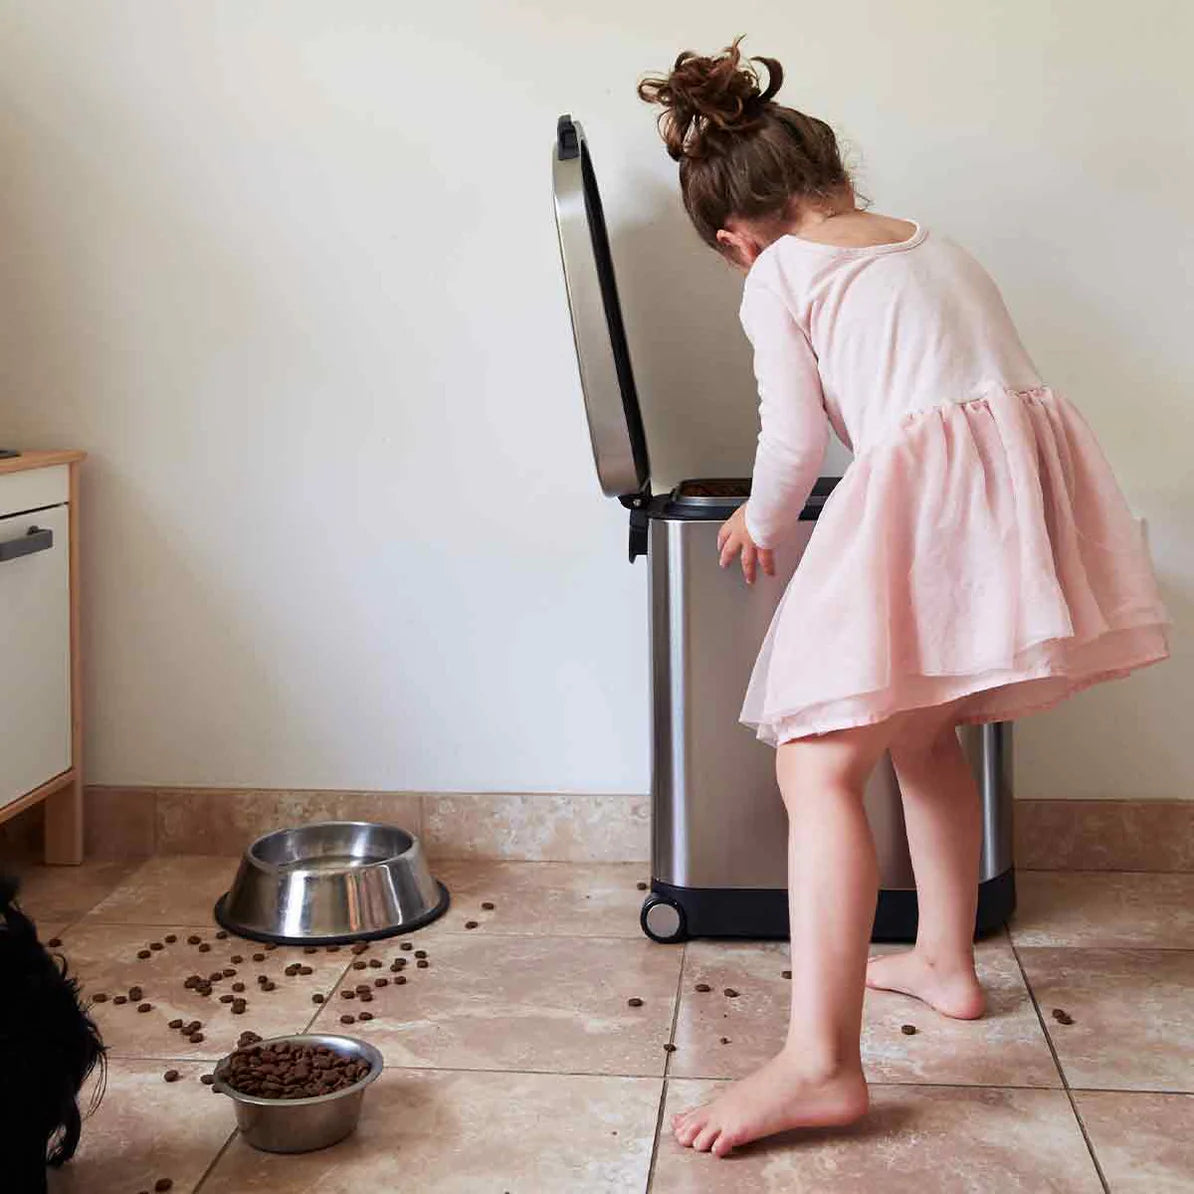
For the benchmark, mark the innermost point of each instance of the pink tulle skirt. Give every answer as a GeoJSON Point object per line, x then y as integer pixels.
{"type": "Point", "coordinates": [982, 551]}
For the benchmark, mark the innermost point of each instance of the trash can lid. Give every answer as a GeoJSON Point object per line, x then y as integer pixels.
{"type": "Point", "coordinates": [607, 380]}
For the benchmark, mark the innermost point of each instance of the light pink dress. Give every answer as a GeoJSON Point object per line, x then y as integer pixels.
{"type": "Point", "coordinates": [978, 546]}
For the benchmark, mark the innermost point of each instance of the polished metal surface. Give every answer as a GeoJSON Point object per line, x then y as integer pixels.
{"type": "Point", "coordinates": [718, 818]}
{"type": "Point", "coordinates": [605, 404]}
{"type": "Point", "coordinates": [663, 920]}
{"type": "Point", "coordinates": [331, 881]}
{"type": "Point", "coordinates": [302, 1125]}
{"type": "Point", "coordinates": [989, 749]}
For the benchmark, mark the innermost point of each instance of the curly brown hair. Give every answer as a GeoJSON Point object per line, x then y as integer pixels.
{"type": "Point", "coordinates": [740, 153]}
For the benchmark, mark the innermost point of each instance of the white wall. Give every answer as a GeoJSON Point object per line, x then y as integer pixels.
{"type": "Point", "coordinates": [287, 268]}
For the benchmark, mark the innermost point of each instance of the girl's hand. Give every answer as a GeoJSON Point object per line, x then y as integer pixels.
{"type": "Point", "coordinates": [734, 538]}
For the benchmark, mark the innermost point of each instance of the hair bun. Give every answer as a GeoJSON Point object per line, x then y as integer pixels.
{"type": "Point", "coordinates": [707, 100]}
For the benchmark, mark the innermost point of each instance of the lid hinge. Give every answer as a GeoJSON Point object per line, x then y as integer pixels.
{"type": "Point", "coordinates": [637, 503]}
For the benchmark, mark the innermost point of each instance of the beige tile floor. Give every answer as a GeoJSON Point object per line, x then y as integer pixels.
{"type": "Point", "coordinates": [513, 1062]}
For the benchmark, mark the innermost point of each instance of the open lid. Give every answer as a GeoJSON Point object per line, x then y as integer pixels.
{"type": "Point", "coordinates": [611, 401]}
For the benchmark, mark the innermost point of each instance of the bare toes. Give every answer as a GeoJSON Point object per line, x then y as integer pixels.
{"type": "Point", "coordinates": [704, 1142]}
{"type": "Point", "coordinates": [723, 1144]}
{"type": "Point", "coordinates": [687, 1132]}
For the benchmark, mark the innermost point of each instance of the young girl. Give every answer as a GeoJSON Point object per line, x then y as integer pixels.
{"type": "Point", "coordinates": [977, 561]}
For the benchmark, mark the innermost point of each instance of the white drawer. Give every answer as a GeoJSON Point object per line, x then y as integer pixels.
{"type": "Point", "coordinates": [35, 694]}
{"type": "Point", "coordinates": [33, 489]}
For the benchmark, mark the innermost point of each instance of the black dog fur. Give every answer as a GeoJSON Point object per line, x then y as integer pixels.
{"type": "Point", "coordinates": [48, 1047]}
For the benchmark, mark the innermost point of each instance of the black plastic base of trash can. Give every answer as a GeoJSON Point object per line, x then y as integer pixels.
{"type": "Point", "coordinates": [762, 913]}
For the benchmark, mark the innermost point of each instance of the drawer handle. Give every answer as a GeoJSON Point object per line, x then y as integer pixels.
{"type": "Point", "coordinates": [35, 540]}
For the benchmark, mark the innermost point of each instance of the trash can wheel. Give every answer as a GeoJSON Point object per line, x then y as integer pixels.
{"type": "Point", "coordinates": [663, 920]}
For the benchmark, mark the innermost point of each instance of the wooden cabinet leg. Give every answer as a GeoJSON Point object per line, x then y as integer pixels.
{"type": "Point", "coordinates": [64, 825]}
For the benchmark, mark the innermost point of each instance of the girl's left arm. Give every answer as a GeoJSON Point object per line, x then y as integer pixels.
{"type": "Point", "coordinates": [794, 428]}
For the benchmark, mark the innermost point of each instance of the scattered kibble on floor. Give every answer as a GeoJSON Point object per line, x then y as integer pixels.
{"type": "Point", "coordinates": [908, 1029]}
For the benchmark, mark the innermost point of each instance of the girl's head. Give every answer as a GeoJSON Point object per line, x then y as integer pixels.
{"type": "Point", "coordinates": [749, 167]}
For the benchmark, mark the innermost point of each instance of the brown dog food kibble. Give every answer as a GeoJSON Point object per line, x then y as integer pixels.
{"type": "Point", "coordinates": [310, 949]}
{"type": "Point", "coordinates": [420, 953]}
{"type": "Point", "coordinates": [348, 994]}
{"type": "Point", "coordinates": [306, 970]}
{"type": "Point", "coordinates": [238, 987]}
{"type": "Point", "coordinates": [155, 945]}
{"type": "Point", "coordinates": [730, 993]}
{"type": "Point", "coordinates": [270, 947]}
{"type": "Point", "coordinates": [135, 993]}
{"type": "Point", "coordinates": [422, 963]}
{"type": "Point", "coordinates": [196, 1038]}
{"type": "Point", "coordinates": [99, 997]}
{"type": "Point", "coordinates": [288, 1070]}
{"type": "Point", "coordinates": [317, 998]}
{"type": "Point", "coordinates": [375, 963]}
{"type": "Point", "coordinates": [204, 947]}
{"type": "Point", "coordinates": [487, 905]}
{"type": "Point", "coordinates": [725, 1040]}
{"type": "Point", "coordinates": [143, 953]}
{"type": "Point", "coordinates": [669, 1048]}
{"type": "Point", "coordinates": [360, 947]}
{"type": "Point", "coordinates": [348, 1019]}
{"type": "Point", "coordinates": [908, 1029]}
{"type": "Point", "coordinates": [174, 1024]}
{"type": "Point", "coordinates": [381, 982]}
{"type": "Point", "coordinates": [406, 945]}
{"type": "Point", "coordinates": [171, 1075]}
{"type": "Point", "coordinates": [207, 1079]}
{"type": "Point", "coordinates": [227, 998]}
{"type": "Point", "coordinates": [399, 980]}
{"type": "Point", "coordinates": [145, 1007]}
{"type": "Point", "coordinates": [228, 972]}
{"type": "Point", "coordinates": [236, 959]}
{"type": "Point", "coordinates": [365, 1016]}
{"type": "Point", "coordinates": [1062, 1017]}
{"type": "Point", "coordinates": [358, 965]}
{"type": "Point", "coordinates": [194, 939]}
{"type": "Point", "coordinates": [470, 924]}
{"type": "Point", "coordinates": [269, 985]}
{"type": "Point", "coordinates": [641, 885]}
{"type": "Point", "coordinates": [259, 957]}
{"type": "Point", "coordinates": [703, 987]}
{"type": "Point", "coordinates": [120, 999]}
{"type": "Point", "coordinates": [170, 938]}
{"type": "Point", "coordinates": [785, 974]}
{"type": "Point", "coordinates": [635, 1002]}
{"type": "Point", "coordinates": [365, 996]}
{"type": "Point", "coordinates": [222, 935]}
{"type": "Point", "coordinates": [333, 949]}
{"type": "Point", "coordinates": [162, 1185]}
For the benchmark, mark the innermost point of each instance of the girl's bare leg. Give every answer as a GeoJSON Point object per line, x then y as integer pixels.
{"type": "Point", "coordinates": [943, 816]}
{"type": "Point", "coordinates": [816, 1080]}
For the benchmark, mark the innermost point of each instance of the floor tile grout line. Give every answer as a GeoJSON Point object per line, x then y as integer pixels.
{"type": "Point", "coordinates": [216, 1160]}
{"type": "Point", "coordinates": [1065, 1082]}
{"type": "Point", "coordinates": [327, 1003]}
{"type": "Point", "coordinates": [667, 1066]}
{"type": "Point", "coordinates": [137, 1059]}
{"type": "Point", "coordinates": [380, 941]}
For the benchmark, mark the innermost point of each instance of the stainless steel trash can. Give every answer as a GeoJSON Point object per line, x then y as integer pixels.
{"type": "Point", "coordinates": [719, 828]}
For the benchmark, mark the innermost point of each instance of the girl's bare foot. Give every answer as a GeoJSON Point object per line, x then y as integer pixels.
{"type": "Point", "coordinates": [953, 991]}
{"type": "Point", "coordinates": [779, 1096]}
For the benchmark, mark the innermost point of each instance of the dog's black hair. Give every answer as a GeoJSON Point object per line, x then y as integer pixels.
{"type": "Point", "coordinates": [48, 1047]}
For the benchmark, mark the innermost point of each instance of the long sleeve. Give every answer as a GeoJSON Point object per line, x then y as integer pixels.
{"type": "Point", "coordinates": [794, 428]}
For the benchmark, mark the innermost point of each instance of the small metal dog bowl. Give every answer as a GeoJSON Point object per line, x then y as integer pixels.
{"type": "Point", "coordinates": [302, 1125]}
{"type": "Point", "coordinates": [329, 883]}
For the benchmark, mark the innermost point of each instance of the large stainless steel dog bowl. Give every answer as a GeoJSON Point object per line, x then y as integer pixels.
{"type": "Point", "coordinates": [331, 882]}
{"type": "Point", "coordinates": [302, 1125]}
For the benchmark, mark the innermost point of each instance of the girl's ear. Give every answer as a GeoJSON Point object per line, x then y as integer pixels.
{"type": "Point", "coordinates": [737, 247]}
